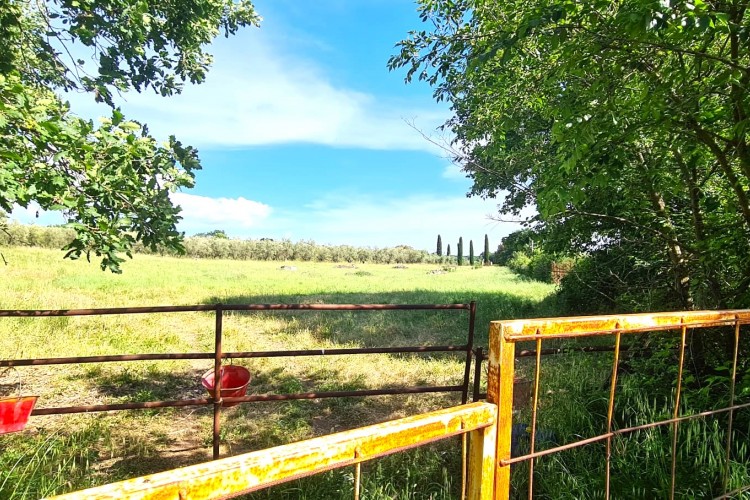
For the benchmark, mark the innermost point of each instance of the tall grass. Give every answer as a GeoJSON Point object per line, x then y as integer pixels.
{"type": "Point", "coordinates": [574, 394]}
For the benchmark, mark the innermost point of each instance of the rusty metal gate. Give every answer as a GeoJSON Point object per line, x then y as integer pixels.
{"type": "Point", "coordinates": [218, 355]}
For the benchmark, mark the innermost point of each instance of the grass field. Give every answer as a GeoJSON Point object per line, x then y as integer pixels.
{"type": "Point", "coordinates": [65, 453]}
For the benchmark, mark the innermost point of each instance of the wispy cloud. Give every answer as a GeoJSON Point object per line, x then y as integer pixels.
{"type": "Point", "coordinates": [258, 94]}
{"type": "Point", "coordinates": [365, 220]}
{"type": "Point", "coordinates": [202, 213]}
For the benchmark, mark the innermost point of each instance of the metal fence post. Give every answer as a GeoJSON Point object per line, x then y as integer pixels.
{"type": "Point", "coordinates": [469, 351]}
{"type": "Point", "coordinates": [217, 380]}
{"type": "Point", "coordinates": [481, 476]}
{"type": "Point", "coordinates": [500, 392]}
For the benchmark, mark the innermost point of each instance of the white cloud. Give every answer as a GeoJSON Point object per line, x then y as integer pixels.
{"type": "Point", "coordinates": [256, 94]}
{"type": "Point", "coordinates": [235, 215]}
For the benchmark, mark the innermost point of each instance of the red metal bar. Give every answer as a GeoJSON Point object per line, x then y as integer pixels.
{"type": "Point", "coordinates": [227, 355]}
{"type": "Point", "coordinates": [24, 313]}
{"type": "Point", "coordinates": [338, 352]}
{"type": "Point", "coordinates": [343, 394]}
{"type": "Point", "coordinates": [120, 406]}
{"type": "Point", "coordinates": [343, 307]}
{"type": "Point", "coordinates": [104, 359]}
{"type": "Point", "coordinates": [246, 399]}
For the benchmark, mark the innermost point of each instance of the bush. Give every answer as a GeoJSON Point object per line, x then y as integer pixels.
{"type": "Point", "coordinates": [519, 263]}
{"type": "Point", "coordinates": [614, 281]}
{"type": "Point", "coordinates": [540, 267]}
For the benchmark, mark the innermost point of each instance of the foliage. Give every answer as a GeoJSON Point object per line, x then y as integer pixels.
{"type": "Point", "coordinates": [216, 233]}
{"type": "Point", "coordinates": [486, 253]}
{"type": "Point", "coordinates": [460, 251]}
{"type": "Point", "coordinates": [615, 280]}
{"type": "Point", "coordinates": [112, 181]}
{"type": "Point", "coordinates": [517, 241]}
{"type": "Point", "coordinates": [624, 124]}
{"type": "Point", "coordinates": [439, 249]}
{"type": "Point", "coordinates": [539, 265]}
{"type": "Point", "coordinates": [471, 252]}
{"type": "Point", "coordinates": [519, 263]}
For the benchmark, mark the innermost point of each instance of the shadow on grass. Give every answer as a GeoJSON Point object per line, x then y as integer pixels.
{"type": "Point", "coordinates": [245, 427]}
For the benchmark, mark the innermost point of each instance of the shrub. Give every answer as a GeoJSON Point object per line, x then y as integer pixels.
{"type": "Point", "coordinates": [540, 267]}
{"type": "Point", "coordinates": [519, 263]}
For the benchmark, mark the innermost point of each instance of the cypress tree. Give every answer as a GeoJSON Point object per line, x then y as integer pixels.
{"type": "Point", "coordinates": [448, 253]}
{"type": "Point", "coordinates": [439, 246]}
{"type": "Point", "coordinates": [471, 252]}
{"type": "Point", "coordinates": [486, 250]}
{"type": "Point", "coordinates": [460, 254]}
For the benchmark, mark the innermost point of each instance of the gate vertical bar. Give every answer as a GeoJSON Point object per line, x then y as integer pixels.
{"type": "Point", "coordinates": [534, 408]}
{"type": "Point", "coordinates": [611, 409]}
{"type": "Point", "coordinates": [725, 482]}
{"type": "Point", "coordinates": [217, 379]}
{"type": "Point", "coordinates": [481, 477]}
{"type": "Point", "coordinates": [675, 425]}
{"type": "Point", "coordinates": [465, 392]}
{"type": "Point", "coordinates": [500, 391]}
{"type": "Point", "coordinates": [357, 479]}
{"type": "Point", "coordinates": [469, 351]}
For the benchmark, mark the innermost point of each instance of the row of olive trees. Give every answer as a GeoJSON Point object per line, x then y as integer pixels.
{"type": "Point", "coordinates": [282, 250]}
{"type": "Point", "coordinates": [217, 247]}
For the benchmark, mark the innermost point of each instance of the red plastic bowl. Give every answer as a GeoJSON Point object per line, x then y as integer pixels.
{"type": "Point", "coordinates": [14, 413]}
{"type": "Point", "coordinates": [234, 380]}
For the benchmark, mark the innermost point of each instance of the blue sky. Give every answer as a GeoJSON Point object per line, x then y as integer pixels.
{"type": "Point", "coordinates": [305, 134]}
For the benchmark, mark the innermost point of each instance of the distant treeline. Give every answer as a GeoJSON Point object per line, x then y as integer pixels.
{"type": "Point", "coordinates": [223, 248]}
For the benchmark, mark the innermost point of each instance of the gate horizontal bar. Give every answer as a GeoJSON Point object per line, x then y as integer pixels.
{"type": "Point", "coordinates": [233, 355]}
{"type": "Point", "coordinates": [228, 477]}
{"type": "Point", "coordinates": [24, 313]}
{"type": "Point", "coordinates": [245, 399]}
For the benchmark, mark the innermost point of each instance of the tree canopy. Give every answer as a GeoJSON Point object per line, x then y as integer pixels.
{"type": "Point", "coordinates": [111, 180]}
{"type": "Point", "coordinates": [624, 123]}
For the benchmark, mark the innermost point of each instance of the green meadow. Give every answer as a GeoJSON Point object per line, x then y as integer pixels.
{"type": "Point", "coordinates": [65, 453]}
